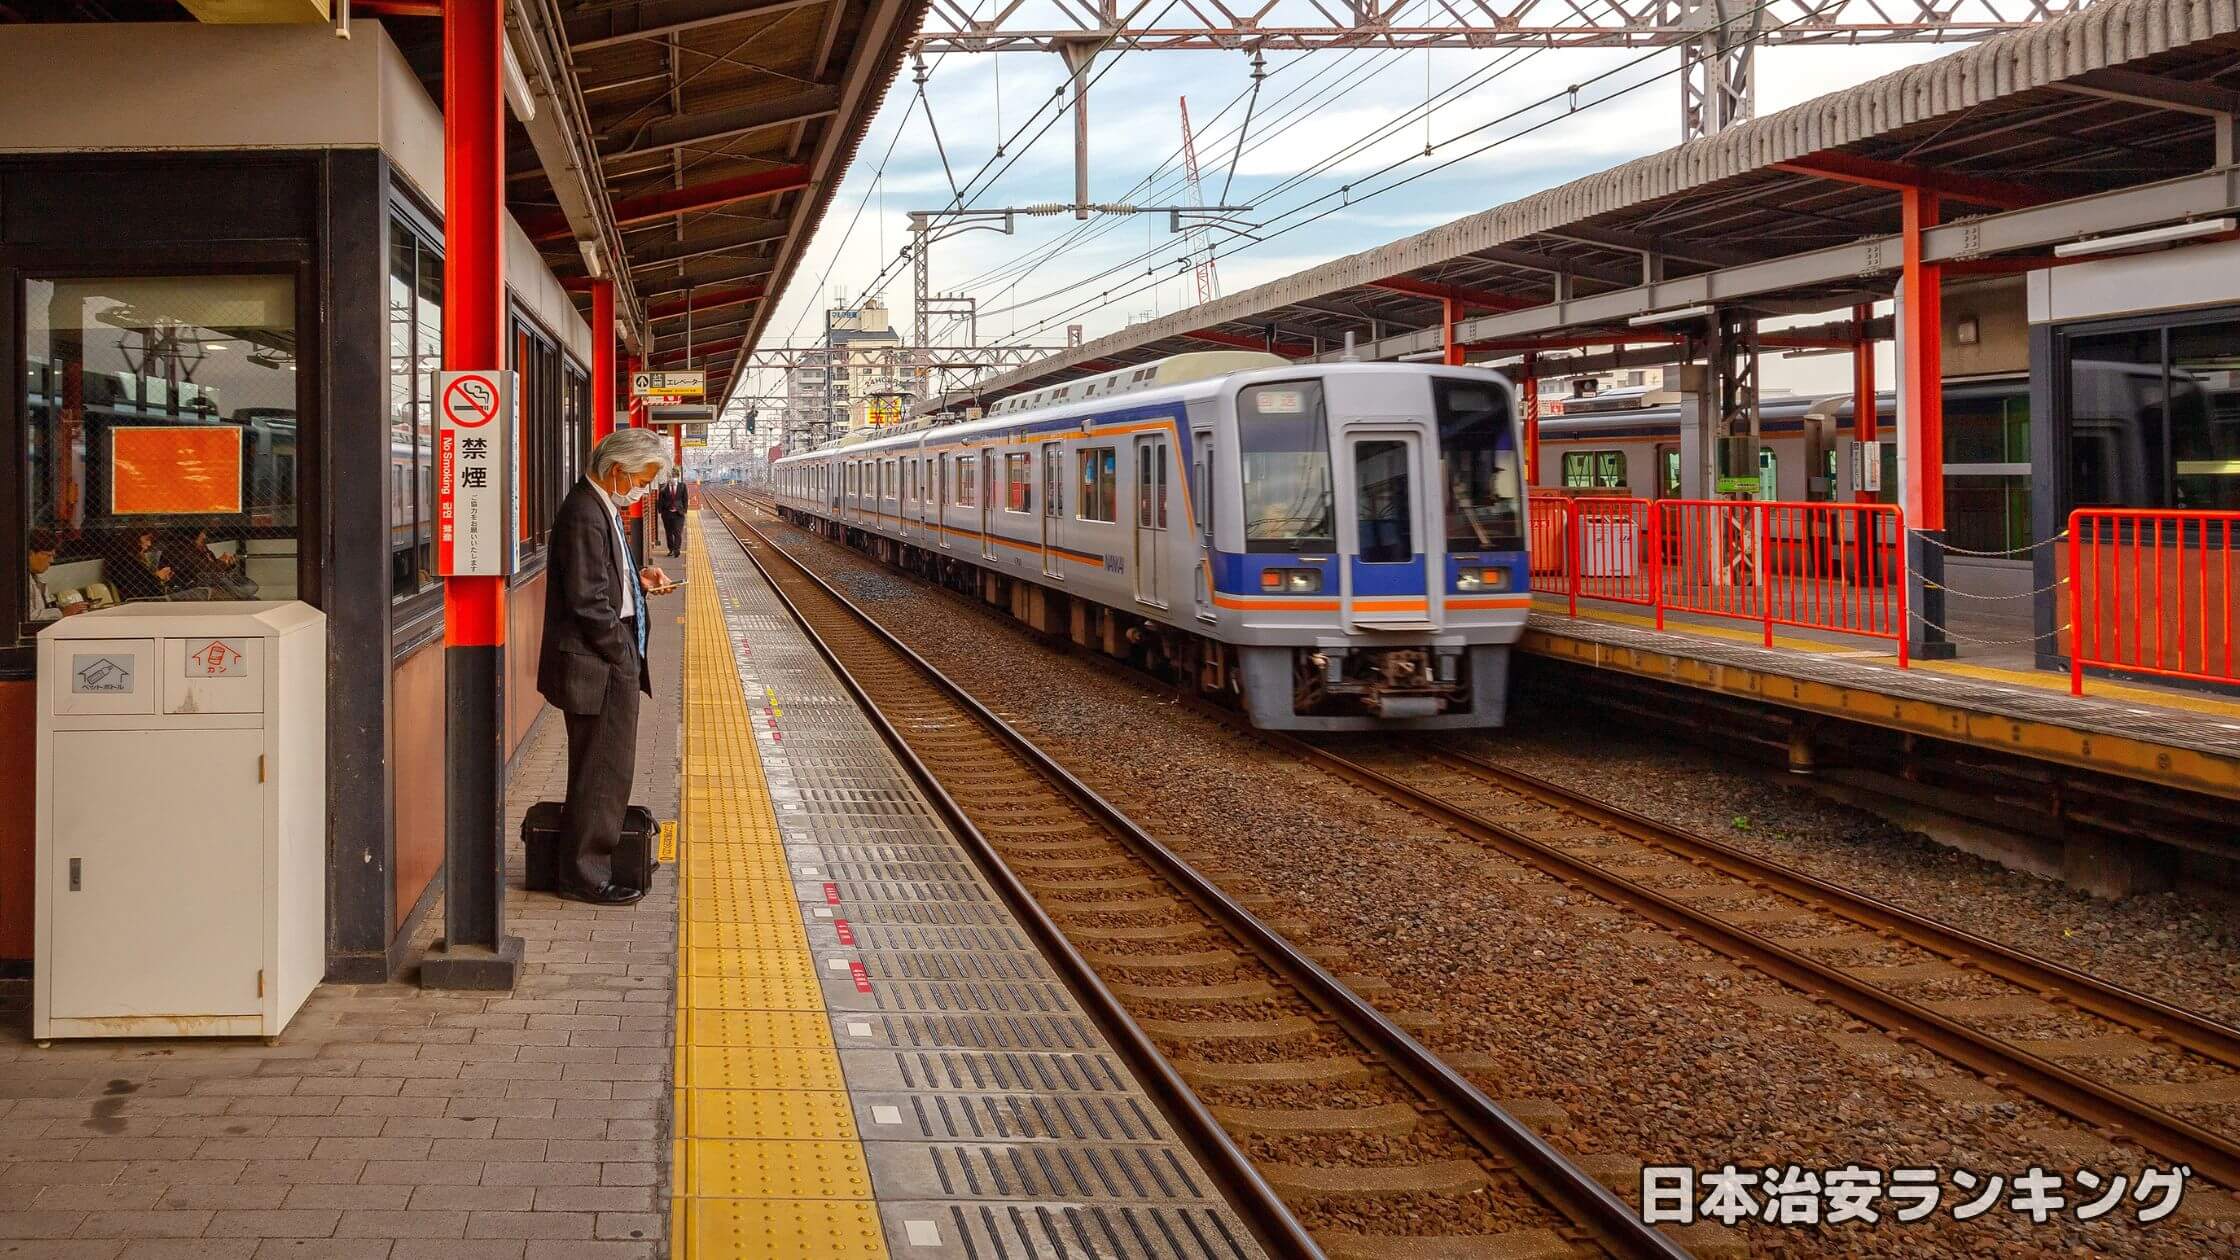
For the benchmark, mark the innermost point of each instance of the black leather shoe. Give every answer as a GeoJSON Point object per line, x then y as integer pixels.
{"type": "Point", "coordinates": [609, 894]}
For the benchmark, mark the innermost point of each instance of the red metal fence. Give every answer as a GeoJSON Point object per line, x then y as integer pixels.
{"type": "Point", "coordinates": [1837, 567]}
{"type": "Point", "coordinates": [2153, 593]}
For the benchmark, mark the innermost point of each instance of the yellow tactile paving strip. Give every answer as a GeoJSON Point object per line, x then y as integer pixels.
{"type": "Point", "coordinates": [768, 1160]}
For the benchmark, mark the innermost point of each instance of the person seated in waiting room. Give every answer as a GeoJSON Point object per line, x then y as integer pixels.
{"type": "Point", "coordinates": [45, 604]}
{"type": "Point", "coordinates": [145, 574]}
{"type": "Point", "coordinates": [201, 567]}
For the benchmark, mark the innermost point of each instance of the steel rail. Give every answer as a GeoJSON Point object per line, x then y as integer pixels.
{"type": "Point", "coordinates": [1572, 1192]}
{"type": "Point", "coordinates": [2211, 1154]}
{"type": "Point", "coordinates": [2214, 1155]}
{"type": "Point", "coordinates": [1257, 1203]}
{"type": "Point", "coordinates": [2158, 1019]}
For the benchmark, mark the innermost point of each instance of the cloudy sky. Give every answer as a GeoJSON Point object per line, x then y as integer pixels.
{"type": "Point", "coordinates": [1333, 137]}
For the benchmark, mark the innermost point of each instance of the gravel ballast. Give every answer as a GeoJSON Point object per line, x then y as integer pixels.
{"type": "Point", "coordinates": [1621, 1041]}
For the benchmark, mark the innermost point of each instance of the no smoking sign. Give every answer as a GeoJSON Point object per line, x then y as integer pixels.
{"type": "Point", "coordinates": [478, 506]}
{"type": "Point", "coordinates": [470, 399]}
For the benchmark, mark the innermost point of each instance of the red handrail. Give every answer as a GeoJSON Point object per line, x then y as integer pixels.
{"type": "Point", "coordinates": [1836, 567]}
{"type": "Point", "coordinates": [2148, 563]}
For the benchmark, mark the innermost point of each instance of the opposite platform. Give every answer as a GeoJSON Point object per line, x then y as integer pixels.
{"type": "Point", "coordinates": [2182, 739]}
{"type": "Point", "coordinates": [869, 1045]}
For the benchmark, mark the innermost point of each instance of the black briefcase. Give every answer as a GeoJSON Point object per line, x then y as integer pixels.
{"type": "Point", "coordinates": [634, 862]}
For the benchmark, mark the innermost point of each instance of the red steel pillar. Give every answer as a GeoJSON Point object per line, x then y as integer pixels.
{"type": "Point", "coordinates": [1449, 312]}
{"type": "Point", "coordinates": [1921, 360]}
{"type": "Point", "coordinates": [602, 358]}
{"type": "Point", "coordinates": [1532, 420]}
{"type": "Point", "coordinates": [1865, 419]}
{"type": "Point", "coordinates": [476, 953]}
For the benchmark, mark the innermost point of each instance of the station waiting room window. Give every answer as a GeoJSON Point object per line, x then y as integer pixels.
{"type": "Point", "coordinates": [1987, 471]}
{"type": "Point", "coordinates": [160, 451]}
{"type": "Point", "coordinates": [2154, 416]}
{"type": "Point", "coordinates": [415, 354]}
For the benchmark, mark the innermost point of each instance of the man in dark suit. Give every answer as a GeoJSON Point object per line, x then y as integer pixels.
{"type": "Point", "coordinates": [593, 666]}
{"type": "Point", "coordinates": [669, 502]}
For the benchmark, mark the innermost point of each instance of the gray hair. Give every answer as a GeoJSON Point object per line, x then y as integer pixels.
{"type": "Point", "coordinates": [631, 449]}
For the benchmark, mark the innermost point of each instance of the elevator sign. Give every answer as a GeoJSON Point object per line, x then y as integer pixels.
{"type": "Point", "coordinates": [475, 499]}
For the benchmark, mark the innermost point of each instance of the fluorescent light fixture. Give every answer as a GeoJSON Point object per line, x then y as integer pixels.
{"type": "Point", "coordinates": [1672, 317]}
{"type": "Point", "coordinates": [2152, 236]}
{"type": "Point", "coordinates": [1421, 356]}
{"type": "Point", "coordinates": [517, 87]}
{"type": "Point", "coordinates": [592, 259]}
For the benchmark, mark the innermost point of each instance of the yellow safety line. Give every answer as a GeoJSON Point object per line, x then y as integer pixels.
{"type": "Point", "coordinates": [2043, 680]}
{"type": "Point", "coordinates": [768, 1161]}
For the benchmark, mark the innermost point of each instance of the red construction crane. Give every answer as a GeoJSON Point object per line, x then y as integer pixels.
{"type": "Point", "coordinates": [1209, 285]}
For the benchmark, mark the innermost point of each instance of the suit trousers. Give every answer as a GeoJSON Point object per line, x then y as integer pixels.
{"type": "Point", "coordinates": [672, 524]}
{"type": "Point", "coordinates": [602, 763]}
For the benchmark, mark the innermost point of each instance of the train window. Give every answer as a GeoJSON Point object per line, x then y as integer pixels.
{"type": "Point", "coordinates": [968, 480]}
{"type": "Point", "coordinates": [159, 452]}
{"type": "Point", "coordinates": [1100, 484]}
{"type": "Point", "coordinates": [1018, 488]}
{"type": "Point", "coordinates": [1385, 513]}
{"type": "Point", "coordinates": [1283, 450]}
{"type": "Point", "coordinates": [1143, 486]}
{"type": "Point", "coordinates": [1593, 470]}
{"type": "Point", "coordinates": [1479, 462]}
{"type": "Point", "coordinates": [1053, 475]}
{"type": "Point", "coordinates": [1671, 461]}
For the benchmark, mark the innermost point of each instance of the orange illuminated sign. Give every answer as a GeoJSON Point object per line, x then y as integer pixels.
{"type": "Point", "coordinates": [175, 469]}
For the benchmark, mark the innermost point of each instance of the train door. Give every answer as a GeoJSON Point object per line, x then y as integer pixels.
{"type": "Point", "coordinates": [987, 504]}
{"type": "Point", "coordinates": [1388, 564]}
{"type": "Point", "coordinates": [1053, 508]}
{"type": "Point", "coordinates": [1667, 483]}
{"type": "Point", "coordinates": [925, 496]}
{"type": "Point", "coordinates": [1150, 559]}
{"type": "Point", "coordinates": [941, 498]}
{"type": "Point", "coordinates": [1201, 493]}
{"type": "Point", "coordinates": [1819, 457]}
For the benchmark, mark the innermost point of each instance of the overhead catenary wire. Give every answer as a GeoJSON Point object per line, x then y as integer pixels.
{"type": "Point", "coordinates": [1034, 259]}
{"type": "Point", "coordinates": [1348, 197]}
{"type": "Point", "coordinates": [1510, 61]}
{"type": "Point", "coordinates": [1097, 227]}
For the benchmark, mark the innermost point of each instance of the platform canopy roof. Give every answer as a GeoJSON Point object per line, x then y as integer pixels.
{"type": "Point", "coordinates": [2091, 123]}
{"type": "Point", "coordinates": [688, 148]}
{"type": "Point", "coordinates": [722, 129]}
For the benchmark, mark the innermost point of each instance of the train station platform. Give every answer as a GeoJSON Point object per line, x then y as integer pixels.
{"type": "Point", "coordinates": [873, 1058]}
{"type": "Point", "coordinates": [2160, 735]}
{"type": "Point", "coordinates": [822, 1034]}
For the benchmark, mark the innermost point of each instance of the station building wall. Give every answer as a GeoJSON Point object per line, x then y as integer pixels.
{"type": "Point", "coordinates": [196, 155]}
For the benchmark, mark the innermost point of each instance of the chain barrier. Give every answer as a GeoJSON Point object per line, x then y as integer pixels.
{"type": "Point", "coordinates": [1928, 585]}
{"type": "Point", "coordinates": [1956, 637]}
{"type": "Point", "coordinates": [1944, 546]}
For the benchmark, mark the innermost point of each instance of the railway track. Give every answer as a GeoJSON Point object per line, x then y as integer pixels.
{"type": "Point", "coordinates": [1798, 930]}
{"type": "Point", "coordinates": [1374, 1146]}
{"type": "Point", "coordinates": [2022, 1024]}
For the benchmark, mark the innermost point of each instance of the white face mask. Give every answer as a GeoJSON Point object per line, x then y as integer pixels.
{"type": "Point", "coordinates": [635, 494]}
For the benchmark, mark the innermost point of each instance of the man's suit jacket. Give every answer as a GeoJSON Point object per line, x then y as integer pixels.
{"type": "Point", "coordinates": [586, 596]}
{"type": "Point", "coordinates": [670, 499]}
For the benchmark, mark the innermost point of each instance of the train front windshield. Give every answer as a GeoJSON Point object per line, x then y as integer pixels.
{"type": "Point", "coordinates": [1284, 447]}
{"type": "Point", "coordinates": [1480, 464]}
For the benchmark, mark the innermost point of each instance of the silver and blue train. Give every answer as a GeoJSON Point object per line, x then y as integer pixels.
{"type": "Point", "coordinates": [1331, 546]}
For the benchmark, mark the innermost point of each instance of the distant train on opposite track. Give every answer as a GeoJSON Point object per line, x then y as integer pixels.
{"type": "Point", "coordinates": [1332, 546]}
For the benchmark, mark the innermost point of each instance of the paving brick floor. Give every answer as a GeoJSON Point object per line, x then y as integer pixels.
{"type": "Point", "coordinates": [388, 1123]}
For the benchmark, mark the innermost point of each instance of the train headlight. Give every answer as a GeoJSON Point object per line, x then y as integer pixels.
{"type": "Point", "coordinates": [1472, 579]}
{"type": "Point", "coordinates": [1291, 581]}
